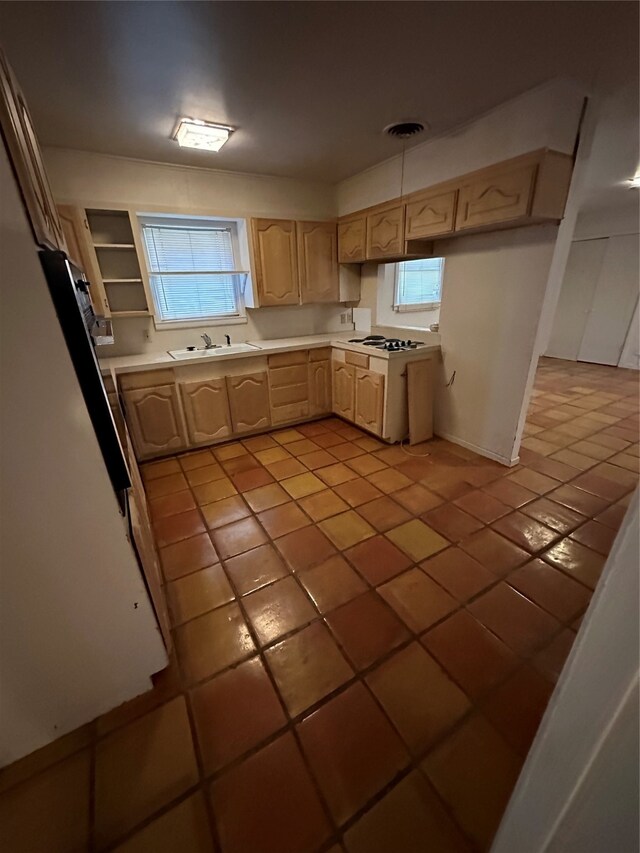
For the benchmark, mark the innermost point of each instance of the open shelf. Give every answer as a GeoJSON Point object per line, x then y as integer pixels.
{"type": "Point", "coordinates": [114, 245]}
{"type": "Point", "coordinates": [130, 313]}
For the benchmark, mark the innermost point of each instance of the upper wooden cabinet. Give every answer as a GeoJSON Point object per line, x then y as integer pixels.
{"type": "Point", "coordinates": [81, 252]}
{"type": "Point", "coordinates": [385, 232]}
{"type": "Point", "coordinates": [276, 262]}
{"type": "Point", "coordinates": [295, 261]}
{"type": "Point", "coordinates": [153, 415]}
{"type": "Point", "coordinates": [206, 410]}
{"type": "Point", "coordinates": [249, 401]}
{"type": "Point", "coordinates": [525, 190]}
{"type": "Point", "coordinates": [318, 261]}
{"type": "Point", "coordinates": [500, 195]}
{"type": "Point", "coordinates": [430, 215]}
{"type": "Point", "coordinates": [26, 157]}
{"type": "Point", "coordinates": [352, 240]}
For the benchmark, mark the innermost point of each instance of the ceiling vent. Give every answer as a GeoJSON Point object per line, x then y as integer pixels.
{"type": "Point", "coordinates": [404, 129]}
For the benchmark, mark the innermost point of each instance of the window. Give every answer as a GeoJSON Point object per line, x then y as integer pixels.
{"type": "Point", "coordinates": [192, 269]}
{"type": "Point", "coordinates": [418, 284]}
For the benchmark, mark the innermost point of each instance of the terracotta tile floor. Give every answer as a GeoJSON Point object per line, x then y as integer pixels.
{"type": "Point", "coordinates": [365, 641]}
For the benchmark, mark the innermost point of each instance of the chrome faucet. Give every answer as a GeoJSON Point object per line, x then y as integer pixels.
{"type": "Point", "coordinates": [208, 343]}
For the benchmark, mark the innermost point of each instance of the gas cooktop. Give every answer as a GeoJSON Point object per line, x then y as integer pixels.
{"type": "Point", "coordinates": [388, 344]}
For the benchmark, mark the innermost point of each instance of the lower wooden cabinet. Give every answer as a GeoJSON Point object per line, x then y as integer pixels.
{"type": "Point", "coordinates": [288, 387]}
{"type": "Point", "coordinates": [144, 543]}
{"type": "Point", "coordinates": [319, 387]}
{"type": "Point", "coordinates": [248, 401]}
{"type": "Point", "coordinates": [153, 415]}
{"type": "Point", "coordinates": [369, 399]}
{"type": "Point", "coordinates": [206, 410]}
{"type": "Point", "coordinates": [343, 385]}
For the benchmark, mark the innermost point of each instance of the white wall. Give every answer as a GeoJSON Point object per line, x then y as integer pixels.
{"type": "Point", "coordinates": [77, 632]}
{"type": "Point", "coordinates": [494, 284]}
{"type": "Point", "coordinates": [578, 791]}
{"type": "Point", "coordinates": [546, 117]}
{"type": "Point", "coordinates": [492, 298]}
{"type": "Point", "coordinates": [95, 179]}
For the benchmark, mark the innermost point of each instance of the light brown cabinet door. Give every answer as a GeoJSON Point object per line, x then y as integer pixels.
{"type": "Point", "coordinates": [153, 415]}
{"type": "Point", "coordinates": [81, 252]}
{"type": "Point", "coordinates": [499, 196]}
{"type": "Point", "coordinates": [430, 215]}
{"type": "Point", "coordinates": [385, 233]}
{"type": "Point", "coordinates": [145, 545]}
{"type": "Point", "coordinates": [206, 410]}
{"type": "Point", "coordinates": [26, 157]}
{"type": "Point", "coordinates": [343, 387]}
{"type": "Point", "coordinates": [319, 387]}
{"type": "Point", "coordinates": [369, 400]}
{"type": "Point", "coordinates": [352, 241]}
{"type": "Point", "coordinates": [318, 261]}
{"type": "Point", "coordinates": [276, 264]}
{"type": "Point", "coordinates": [248, 401]}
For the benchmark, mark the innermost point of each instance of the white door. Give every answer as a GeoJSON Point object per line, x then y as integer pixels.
{"type": "Point", "coordinates": [613, 302]}
{"type": "Point", "coordinates": [574, 303]}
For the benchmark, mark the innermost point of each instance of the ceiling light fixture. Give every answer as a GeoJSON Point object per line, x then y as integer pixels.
{"type": "Point", "coordinates": [195, 133]}
{"type": "Point", "coordinates": [634, 182]}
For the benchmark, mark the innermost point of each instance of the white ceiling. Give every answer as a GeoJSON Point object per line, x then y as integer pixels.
{"type": "Point", "coordinates": [310, 85]}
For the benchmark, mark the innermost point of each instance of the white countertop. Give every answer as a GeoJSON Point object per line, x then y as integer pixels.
{"type": "Point", "coordinates": [156, 360]}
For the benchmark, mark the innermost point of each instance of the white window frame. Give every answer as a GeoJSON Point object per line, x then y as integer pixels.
{"type": "Point", "coordinates": [238, 229]}
{"type": "Point", "coordinates": [405, 308]}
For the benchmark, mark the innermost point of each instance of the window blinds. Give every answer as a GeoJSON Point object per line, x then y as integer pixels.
{"type": "Point", "coordinates": [419, 283]}
{"type": "Point", "coordinates": [191, 271]}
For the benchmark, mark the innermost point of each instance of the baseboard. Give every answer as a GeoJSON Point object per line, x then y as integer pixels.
{"type": "Point", "coordinates": [481, 451]}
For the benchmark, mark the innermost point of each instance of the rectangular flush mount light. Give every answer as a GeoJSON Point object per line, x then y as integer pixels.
{"type": "Point", "coordinates": [194, 133]}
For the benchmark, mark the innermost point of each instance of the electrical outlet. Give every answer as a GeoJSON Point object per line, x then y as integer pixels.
{"type": "Point", "coordinates": [344, 318]}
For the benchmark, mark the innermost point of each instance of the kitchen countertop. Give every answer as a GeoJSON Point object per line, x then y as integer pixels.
{"type": "Point", "coordinates": [156, 360]}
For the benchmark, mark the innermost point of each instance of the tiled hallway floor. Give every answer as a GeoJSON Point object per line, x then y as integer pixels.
{"type": "Point", "coordinates": [365, 640]}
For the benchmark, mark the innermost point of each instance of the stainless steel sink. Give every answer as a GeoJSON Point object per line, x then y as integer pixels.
{"type": "Point", "coordinates": [202, 352]}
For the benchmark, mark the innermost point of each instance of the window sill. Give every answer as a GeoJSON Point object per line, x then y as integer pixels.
{"type": "Point", "coordinates": [425, 306]}
{"type": "Point", "coordinates": [203, 322]}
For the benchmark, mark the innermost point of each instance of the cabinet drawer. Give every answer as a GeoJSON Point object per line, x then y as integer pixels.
{"type": "Point", "coordinates": [289, 394]}
{"type": "Point", "coordinates": [358, 359]}
{"type": "Point", "coordinates": [430, 215]}
{"type": "Point", "coordinates": [292, 412]}
{"type": "Point", "coordinates": [284, 359]}
{"type": "Point", "coordinates": [320, 354]}
{"type": "Point", "coordinates": [500, 196]}
{"type": "Point", "coordinates": [280, 377]}
{"type": "Point", "coordinates": [146, 379]}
